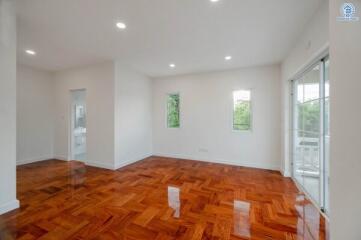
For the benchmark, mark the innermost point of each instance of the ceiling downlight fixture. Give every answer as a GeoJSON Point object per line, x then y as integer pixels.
{"type": "Point", "coordinates": [30, 52]}
{"type": "Point", "coordinates": [227, 58]}
{"type": "Point", "coordinates": [121, 25]}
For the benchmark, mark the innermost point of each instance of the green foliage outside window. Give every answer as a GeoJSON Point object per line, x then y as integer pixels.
{"type": "Point", "coordinates": [309, 117]}
{"type": "Point", "coordinates": [173, 111]}
{"type": "Point", "coordinates": [242, 116]}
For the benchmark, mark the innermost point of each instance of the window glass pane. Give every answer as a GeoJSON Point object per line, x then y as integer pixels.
{"type": "Point", "coordinates": [307, 132]}
{"type": "Point", "coordinates": [242, 110]}
{"type": "Point", "coordinates": [327, 137]}
{"type": "Point", "coordinates": [300, 90]}
{"type": "Point", "coordinates": [327, 173]}
{"type": "Point", "coordinates": [173, 111]}
{"type": "Point", "coordinates": [311, 82]}
{"type": "Point", "coordinates": [310, 142]}
{"type": "Point", "coordinates": [298, 156]}
{"type": "Point", "coordinates": [311, 166]}
{"type": "Point", "coordinates": [310, 116]}
{"type": "Point", "coordinates": [327, 78]}
{"type": "Point", "coordinates": [327, 116]}
{"type": "Point", "coordinates": [299, 117]}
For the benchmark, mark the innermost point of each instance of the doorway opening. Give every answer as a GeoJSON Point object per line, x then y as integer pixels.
{"type": "Point", "coordinates": [78, 125]}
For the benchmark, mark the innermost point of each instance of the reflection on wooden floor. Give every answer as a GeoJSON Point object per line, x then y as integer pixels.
{"type": "Point", "coordinates": [158, 198]}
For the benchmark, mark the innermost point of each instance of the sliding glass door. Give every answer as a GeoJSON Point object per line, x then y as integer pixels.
{"type": "Point", "coordinates": [326, 139]}
{"type": "Point", "coordinates": [310, 137]}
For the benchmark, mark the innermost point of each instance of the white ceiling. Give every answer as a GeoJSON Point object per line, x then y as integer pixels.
{"type": "Point", "coordinates": [194, 34]}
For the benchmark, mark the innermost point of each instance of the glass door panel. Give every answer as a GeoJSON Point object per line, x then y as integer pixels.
{"type": "Point", "coordinates": [311, 134]}
{"type": "Point", "coordinates": [307, 132]}
{"type": "Point", "coordinates": [297, 130]}
{"type": "Point", "coordinates": [327, 136]}
{"type": "Point", "coordinates": [298, 156]}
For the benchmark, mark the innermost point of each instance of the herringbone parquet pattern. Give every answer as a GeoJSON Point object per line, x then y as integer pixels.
{"type": "Point", "coordinates": [158, 198]}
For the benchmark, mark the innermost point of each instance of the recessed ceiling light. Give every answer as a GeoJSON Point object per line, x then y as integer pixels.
{"type": "Point", "coordinates": [227, 58]}
{"type": "Point", "coordinates": [172, 65]}
{"type": "Point", "coordinates": [214, 0]}
{"type": "Point", "coordinates": [121, 25]}
{"type": "Point", "coordinates": [30, 52]}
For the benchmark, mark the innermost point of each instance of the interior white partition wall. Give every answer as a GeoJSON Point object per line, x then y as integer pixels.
{"type": "Point", "coordinates": [206, 111]}
{"type": "Point", "coordinates": [345, 78]}
{"type": "Point", "coordinates": [119, 114]}
{"type": "Point", "coordinates": [35, 115]}
{"type": "Point", "coordinates": [133, 115]}
{"type": "Point", "coordinates": [98, 80]}
{"type": "Point", "coordinates": [7, 106]}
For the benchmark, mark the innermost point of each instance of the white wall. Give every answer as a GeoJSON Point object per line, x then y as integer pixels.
{"type": "Point", "coordinates": [7, 106]}
{"type": "Point", "coordinates": [98, 80]}
{"type": "Point", "coordinates": [345, 77]}
{"type": "Point", "coordinates": [312, 42]}
{"type": "Point", "coordinates": [133, 120]}
{"type": "Point", "coordinates": [119, 114]}
{"type": "Point", "coordinates": [35, 115]}
{"type": "Point", "coordinates": [206, 103]}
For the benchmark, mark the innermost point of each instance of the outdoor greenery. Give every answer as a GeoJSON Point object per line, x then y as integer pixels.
{"type": "Point", "coordinates": [173, 111]}
{"type": "Point", "coordinates": [309, 117]}
{"type": "Point", "coordinates": [242, 116]}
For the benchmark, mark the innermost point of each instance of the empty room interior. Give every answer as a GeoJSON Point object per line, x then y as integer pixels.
{"type": "Point", "coordinates": [180, 119]}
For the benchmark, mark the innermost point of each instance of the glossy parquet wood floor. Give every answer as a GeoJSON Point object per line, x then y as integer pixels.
{"type": "Point", "coordinates": [158, 198]}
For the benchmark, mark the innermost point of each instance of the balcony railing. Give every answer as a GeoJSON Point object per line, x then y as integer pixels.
{"type": "Point", "coordinates": [307, 157]}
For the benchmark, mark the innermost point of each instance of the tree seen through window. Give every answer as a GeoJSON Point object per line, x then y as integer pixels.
{"type": "Point", "coordinates": [173, 111]}
{"type": "Point", "coordinates": [242, 110]}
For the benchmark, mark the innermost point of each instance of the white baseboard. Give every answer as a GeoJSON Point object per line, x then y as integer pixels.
{"type": "Point", "coordinates": [179, 156]}
{"type": "Point", "coordinates": [89, 163]}
{"type": "Point", "coordinates": [61, 157]}
{"type": "Point", "coordinates": [39, 159]}
{"type": "Point", "coordinates": [285, 173]}
{"type": "Point", "coordinates": [221, 161]}
{"type": "Point", "coordinates": [7, 207]}
{"type": "Point", "coordinates": [128, 162]}
{"type": "Point", "coordinates": [100, 165]}
{"type": "Point", "coordinates": [34, 159]}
